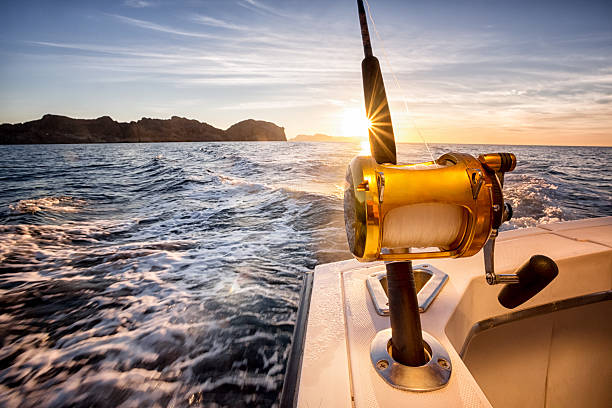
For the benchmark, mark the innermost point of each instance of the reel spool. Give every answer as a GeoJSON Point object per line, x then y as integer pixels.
{"type": "Point", "coordinates": [450, 208]}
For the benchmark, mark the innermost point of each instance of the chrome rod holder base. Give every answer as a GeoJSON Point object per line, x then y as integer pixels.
{"type": "Point", "coordinates": [433, 375]}
{"type": "Point", "coordinates": [429, 280]}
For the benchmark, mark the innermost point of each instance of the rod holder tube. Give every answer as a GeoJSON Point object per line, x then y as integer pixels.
{"type": "Point", "coordinates": [407, 338]}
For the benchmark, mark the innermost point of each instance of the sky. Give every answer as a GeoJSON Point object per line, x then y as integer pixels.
{"type": "Point", "coordinates": [499, 72]}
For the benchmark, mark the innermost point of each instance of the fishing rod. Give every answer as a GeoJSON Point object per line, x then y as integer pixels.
{"type": "Point", "coordinates": [401, 288]}
{"type": "Point", "coordinates": [448, 208]}
{"type": "Point", "coordinates": [380, 129]}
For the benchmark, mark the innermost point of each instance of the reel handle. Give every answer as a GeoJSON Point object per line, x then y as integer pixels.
{"type": "Point", "coordinates": [533, 276]}
{"type": "Point", "coordinates": [528, 280]}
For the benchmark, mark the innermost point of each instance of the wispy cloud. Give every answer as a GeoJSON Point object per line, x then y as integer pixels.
{"type": "Point", "coordinates": [188, 66]}
{"type": "Point", "coordinates": [214, 22]}
{"type": "Point", "coordinates": [260, 7]}
{"type": "Point", "coordinates": [241, 34]}
{"type": "Point", "coordinates": [161, 28]}
{"type": "Point", "coordinates": [139, 3]}
{"type": "Point", "coordinates": [274, 105]}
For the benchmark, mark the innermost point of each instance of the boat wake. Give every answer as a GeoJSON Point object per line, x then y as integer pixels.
{"type": "Point", "coordinates": [533, 202]}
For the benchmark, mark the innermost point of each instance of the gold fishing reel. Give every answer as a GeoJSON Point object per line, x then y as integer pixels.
{"type": "Point", "coordinates": [446, 208]}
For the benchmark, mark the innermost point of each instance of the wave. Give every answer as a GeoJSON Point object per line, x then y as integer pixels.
{"type": "Point", "coordinates": [116, 318]}
{"type": "Point", "coordinates": [137, 322]}
{"type": "Point", "coordinates": [59, 204]}
{"type": "Point", "coordinates": [532, 200]}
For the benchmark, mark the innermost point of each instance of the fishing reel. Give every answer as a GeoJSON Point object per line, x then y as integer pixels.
{"type": "Point", "coordinates": [449, 208]}
{"type": "Point", "coordinates": [452, 207]}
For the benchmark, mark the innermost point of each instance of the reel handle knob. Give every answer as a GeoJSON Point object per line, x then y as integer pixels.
{"type": "Point", "coordinates": [534, 275]}
{"type": "Point", "coordinates": [498, 162]}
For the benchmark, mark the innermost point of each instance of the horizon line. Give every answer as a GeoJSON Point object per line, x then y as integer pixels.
{"type": "Point", "coordinates": [290, 139]}
{"type": "Point", "coordinates": [454, 143]}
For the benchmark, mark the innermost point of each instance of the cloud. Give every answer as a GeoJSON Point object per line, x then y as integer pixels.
{"type": "Point", "coordinates": [273, 105]}
{"type": "Point", "coordinates": [161, 28]}
{"type": "Point", "coordinates": [187, 65]}
{"type": "Point", "coordinates": [262, 8]}
{"type": "Point", "coordinates": [214, 22]}
{"type": "Point", "coordinates": [243, 34]}
{"type": "Point", "coordinates": [138, 3]}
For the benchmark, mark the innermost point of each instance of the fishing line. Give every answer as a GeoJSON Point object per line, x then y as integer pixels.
{"type": "Point", "coordinates": [397, 84]}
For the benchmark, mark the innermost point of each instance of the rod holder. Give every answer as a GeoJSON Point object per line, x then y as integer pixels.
{"type": "Point", "coordinates": [404, 356]}
{"type": "Point", "coordinates": [432, 375]}
{"type": "Point", "coordinates": [407, 343]}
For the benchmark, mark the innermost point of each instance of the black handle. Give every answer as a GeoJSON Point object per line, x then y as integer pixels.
{"type": "Point", "coordinates": [534, 275]}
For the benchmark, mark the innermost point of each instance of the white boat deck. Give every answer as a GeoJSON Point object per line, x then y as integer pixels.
{"type": "Point", "coordinates": [336, 367]}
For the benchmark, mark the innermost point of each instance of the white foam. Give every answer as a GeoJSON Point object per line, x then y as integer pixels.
{"type": "Point", "coordinates": [531, 195]}
{"type": "Point", "coordinates": [62, 204]}
{"type": "Point", "coordinates": [142, 329]}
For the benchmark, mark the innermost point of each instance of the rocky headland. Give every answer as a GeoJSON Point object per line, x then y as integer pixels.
{"type": "Point", "coordinates": [62, 129]}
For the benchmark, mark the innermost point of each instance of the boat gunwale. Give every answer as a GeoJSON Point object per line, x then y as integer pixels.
{"type": "Point", "coordinates": [293, 371]}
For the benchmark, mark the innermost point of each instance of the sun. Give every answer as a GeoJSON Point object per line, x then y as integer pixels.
{"type": "Point", "coordinates": [355, 123]}
{"type": "Point", "coordinates": [365, 148]}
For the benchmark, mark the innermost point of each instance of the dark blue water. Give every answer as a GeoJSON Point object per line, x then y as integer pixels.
{"type": "Point", "coordinates": [168, 274]}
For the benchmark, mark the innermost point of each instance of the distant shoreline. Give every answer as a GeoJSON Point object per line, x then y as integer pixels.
{"type": "Point", "coordinates": [56, 129]}
{"type": "Point", "coordinates": [357, 140]}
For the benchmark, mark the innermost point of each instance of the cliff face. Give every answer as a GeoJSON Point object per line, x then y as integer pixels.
{"type": "Point", "coordinates": [62, 129]}
{"type": "Point", "coordinates": [255, 130]}
{"type": "Point", "coordinates": [173, 130]}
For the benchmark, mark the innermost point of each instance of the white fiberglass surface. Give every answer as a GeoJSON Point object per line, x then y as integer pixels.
{"type": "Point", "coordinates": [557, 359]}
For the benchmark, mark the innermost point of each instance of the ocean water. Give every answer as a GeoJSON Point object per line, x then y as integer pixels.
{"type": "Point", "coordinates": [169, 274]}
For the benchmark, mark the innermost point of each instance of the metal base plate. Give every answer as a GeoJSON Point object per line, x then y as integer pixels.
{"type": "Point", "coordinates": [429, 282]}
{"type": "Point", "coordinates": [428, 377]}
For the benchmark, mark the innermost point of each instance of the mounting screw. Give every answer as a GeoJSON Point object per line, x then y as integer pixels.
{"type": "Point", "coordinates": [382, 365]}
{"type": "Point", "coordinates": [444, 364]}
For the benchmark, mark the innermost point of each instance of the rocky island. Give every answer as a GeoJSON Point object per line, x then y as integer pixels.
{"type": "Point", "coordinates": [62, 129]}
